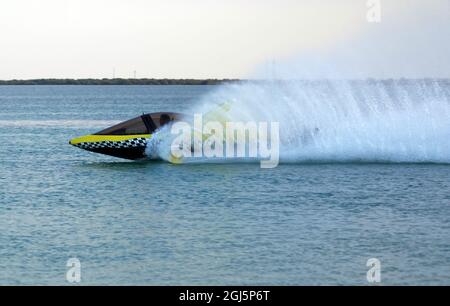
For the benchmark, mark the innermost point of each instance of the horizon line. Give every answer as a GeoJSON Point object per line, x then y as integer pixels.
{"type": "Point", "coordinates": [192, 81]}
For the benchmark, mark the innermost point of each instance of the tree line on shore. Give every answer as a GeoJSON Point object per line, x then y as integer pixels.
{"type": "Point", "coordinates": [118, 81]}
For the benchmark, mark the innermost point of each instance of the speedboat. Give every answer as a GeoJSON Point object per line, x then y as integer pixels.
{"type": "Point", "coordinates": [127, 139]}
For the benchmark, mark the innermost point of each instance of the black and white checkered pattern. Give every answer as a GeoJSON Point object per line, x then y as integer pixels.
{"type": "Point", "coordinates": [122, 144]}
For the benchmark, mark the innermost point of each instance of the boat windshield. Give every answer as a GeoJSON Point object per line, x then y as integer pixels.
{"type": "Point", "coordinates": [145, 124]}
{"type": "Point", "coordinates": [134, 126]}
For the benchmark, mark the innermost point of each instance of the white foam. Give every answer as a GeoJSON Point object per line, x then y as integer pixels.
{"type": "Point", "coordinates": [367, 121]}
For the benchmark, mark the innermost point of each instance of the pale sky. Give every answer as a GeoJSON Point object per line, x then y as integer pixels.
{"type": "Point", "coordinates": [221, 38]}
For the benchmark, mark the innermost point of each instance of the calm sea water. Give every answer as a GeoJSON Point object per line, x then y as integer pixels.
{"type": "Point", "coordinates": [157, 223]}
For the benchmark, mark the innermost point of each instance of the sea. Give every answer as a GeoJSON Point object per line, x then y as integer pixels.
{"type": "Point", "coordinates": [374, 188]}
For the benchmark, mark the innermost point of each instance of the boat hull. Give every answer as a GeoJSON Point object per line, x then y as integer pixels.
{"type": "Point", "coordinates": [123, 146]}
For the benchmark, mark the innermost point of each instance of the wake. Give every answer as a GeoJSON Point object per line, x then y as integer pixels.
{"type": "Point", "coordinates": [340, 121]}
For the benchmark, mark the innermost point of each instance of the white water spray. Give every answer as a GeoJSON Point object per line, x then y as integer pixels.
{"type": "Point", "coordinates": [345, 121]}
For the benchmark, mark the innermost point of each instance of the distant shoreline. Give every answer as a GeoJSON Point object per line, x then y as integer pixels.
{"type": "Point", "coordinates": [118, 81]}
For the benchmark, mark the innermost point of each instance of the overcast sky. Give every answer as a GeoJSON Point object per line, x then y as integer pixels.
{"type": "Point", "coordinates": [222, 38]}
